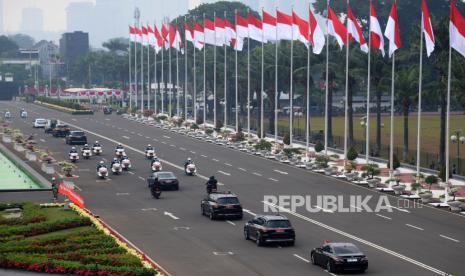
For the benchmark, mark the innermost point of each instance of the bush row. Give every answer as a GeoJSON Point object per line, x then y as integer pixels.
{"type": "Point", "coordinates": [60, 102]}
{"type": "Point", "coordinates": [44, 227]}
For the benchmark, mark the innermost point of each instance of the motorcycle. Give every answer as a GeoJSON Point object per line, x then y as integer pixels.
{"type": "Point", "coordinates": [126, 164]}
{"type": "Point", "coordinates": [86, 153]}
{"type": "Point", "coordinates": [156, 166]}
{"type": "Point", "coordinates": [149, 154]}
{"type": "Point", "coordinates": [212, 189]}
{"type": "Point", "coordinates": [119, 153]}
{"type": "Point", "coordinates": [23, 114]}
{"type": "Point", "coordinates": [191, 169]}
{"type": "Point", "coordinates": [97, 150]}
{"type": "Point", "coordinates": [74, 156]}
{"type": "Point", "coordinates": [116, 168]}
{"type": "Point", "coordinates": [102, 172]}
{"type": "Point", "coordinates": [156, 192]}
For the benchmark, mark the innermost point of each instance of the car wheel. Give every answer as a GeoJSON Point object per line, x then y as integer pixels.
{"type": "Point", "coordinates": [202, 210]}
{"type": "Point", "coordinates": [211, 215]}
{"type": "Point", "coordinates": [246, 234]}
{"type": "Point", "coordinates": [329, 266]}
{"type": "Point", "coordinates": [258, 240]}
{"type": "Point", "coordinates": [312, 259]}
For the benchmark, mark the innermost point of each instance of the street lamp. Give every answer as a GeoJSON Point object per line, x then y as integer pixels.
{"type": "Point", "coordinates": [456, 138]}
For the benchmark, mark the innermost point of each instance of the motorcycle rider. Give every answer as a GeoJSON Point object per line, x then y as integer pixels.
{"type": "Point", "coordinates": [211, 184]}
{"type": "Point", "coordinates": [149, 147]}
{"type": "Point", "coordinates": [155, 186]}
{"type": "Point", "coordinates": [86, 147]}
{"type": "Point", "coordinates": [115, 160]}
{"type": "Point", "coordinates": [119, 146]}
{"type": "Point", "coordinates": [96, 144]}
{"type": "Point", "coordinates": [73, 150]}
{"type": "Point", "coordinates": [188, 161]}
{"type": "Point", "coordinates": [154, 159]}
{"type": "Point", "coordinates": [101, 164]}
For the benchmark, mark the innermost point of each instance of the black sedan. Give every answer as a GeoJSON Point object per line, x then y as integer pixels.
{"type": "Point", "coordinates": [265, 229]}
{"type": "Point", "coordinates": [168, 181]}
{"type": "Point", "coordinates": [337, 257]}
{"type": "Point", "coordinates": [76, 137]}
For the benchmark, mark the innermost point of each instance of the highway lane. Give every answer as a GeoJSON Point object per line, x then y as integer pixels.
{"type": "Point", "coordinates": [248, 188]}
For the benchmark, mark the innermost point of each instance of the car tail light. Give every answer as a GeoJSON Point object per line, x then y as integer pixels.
{"type": "Point", "coordinates": [280, 231]}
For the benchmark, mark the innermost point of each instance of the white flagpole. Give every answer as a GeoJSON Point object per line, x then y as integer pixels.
{"type": "Point", "coordinates": [307, 106]}
{"type": "Point", "coordinates": [155, 79]}
{"type": "Point", "coordinates": [170, 89]}
{"type": "Point", "coordinates": [446, 190]}
{"type": "Point", "coordinates": [194, 100]}
{"type": "Point", "coordinates": [185, 72]}
{"type": "Point", "coordinates": [261, 88]}
{"type": "Point", "coordinates": [162, 91]}
{"type": "Point", "coordinates": [420, 80]}
{"type": "Point", "coordinates": [248, 78]}
{"type": "Point", "coordinates": [130, 74]}
{"type": "Point", "coordinates": [214, 72]}
{"type": "Point", "coordinates": [327, 79]}
{"type": "Point", "coordinates": [148, 72]}
{"type": "Point", "coordinates": [391, 150]}
{"type": "Point", "coordinates": [276, 98]}
{"type": "Point", "coordinates": [367, 122]}
{"type": "Point", "coordinates": [291, 80]}
{"type": "Point", "coordinates": [225, 79]}
{"type": "Point", "coordinates": [142, 75]}
{"type": "Point", "coordinates": [204, 77]}
{"type": "Point", "coordinates": [135, 66]}
{"type": "Point", "coordinates": [177, 72]}
{"type": "Point", "coordinates": [346, 104]}
{"type": "Point", "coordinates": [235, 69]}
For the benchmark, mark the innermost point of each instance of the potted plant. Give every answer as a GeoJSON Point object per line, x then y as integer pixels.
{"type": "Point", "coordinates": [371, 170]}
{"type": "Point", "coordinates": [352, 154]}
{"type": "Point", "coordinates": [319, 147]}
{"type": "Point", "coordinates": [415, 187]}
{"type": "Point", "coordinates": [67, 168]}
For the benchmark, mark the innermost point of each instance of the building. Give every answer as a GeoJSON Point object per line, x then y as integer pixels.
{"type": "Point", "coordinates": [32, 20]}
{"type": "Point", "coordinates": [48, 53]}
{"type": "Point", "coordinates": [73, 46]}
{"type": "Point", "coordinates": [1, 17]}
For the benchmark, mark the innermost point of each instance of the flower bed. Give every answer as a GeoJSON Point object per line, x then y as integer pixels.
{"type": "Point", "coordinates": [66, 109]}
{"type": "Point", "coordinates": [49, 239]}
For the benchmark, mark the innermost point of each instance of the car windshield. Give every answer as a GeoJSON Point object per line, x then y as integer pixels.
{"type": "Point", "coordinates": [228, 200]}
{"type": "Point", "coordinates": [278, 224]}
{"type": "Point", "coordinates": [165, 175]}
{"type": "Point", "coordinates": [346, 249]}
{"type": "Point", "coordinates": [41, 121]}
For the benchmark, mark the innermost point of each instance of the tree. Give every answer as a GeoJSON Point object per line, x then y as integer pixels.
{"type": "Point", "coordinates": [22, 40]}
{"type": "Point", "coordinates": [116, 44]}
{"type": "Point", "coordinates": [7, 47]}
{"type": "Point", "coordinates": [352, 154]}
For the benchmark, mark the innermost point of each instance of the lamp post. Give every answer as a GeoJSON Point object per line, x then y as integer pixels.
{"type": "Point", "coordinates": [456, 138]}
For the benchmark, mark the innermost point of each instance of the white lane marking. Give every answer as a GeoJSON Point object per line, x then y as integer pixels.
{"type": "Point", "coordinates": [163, 142]}
{"type": "Point", "coordinates": [141, 178]}
{"type": "Point", "coordinates": [170, 215]}
{"type": "Point", "coordinates": [350, 236]}
{"type": "Point", "coordinates": [257, 174]}
{"type": "Point", "coordinates": [107, 119]}
{"type": "Point", "coordinates": [223, 253]}
{"type": "Point", "coordinates": [146, 137]}
{"type": "Point", "coordinates": [416, 227]}
{"type": "Point", "coordinates": [381, 216]}
{"type": "Point", "coordinates": [155, 139]}
{"type": "Point", "coordinates": [242, 169]}
{"type": "Point", "coordinates": [182, 148]}
{"type": "Point", "coordinates": [74, 120]}
{"type": "Point", "coordinates": [122, 194]}
{"type": "Point", "coordinates": [272, 179]}
{"type": "Point", "coordinates": [449, 238]}
{"type": "Point", "coordinates": [125, 137]}
{"type": "Point", "coordinates": [167, 137]}
{"type": "Point", "coordinates": [138, 134]}
{"type": "Point", "coordinates": [216, 160]}
{"type": "Point", "coordinates": [132, 132]}
{"type": "Point", "coordinates": [281, 172]}
{"type": "Point", "coordinates": [323, 209]}
{"type": "Point", "coordinates": [77, 187]}
{"type": "Point", "coordinates": [249, 212]}
{"type": "Point", "coordinates": [301, 258]}
{"type": "Point", "coordinates": [42, 140]}
{"type": "Point", "coordinates": [230, 222]}
{"type": "Point", "coordinates": [227, 164]}
{"type": "Point", "coordinates": [112, 126]}
{"type": "Point", "coordinates": [126, 130]}
{"type": "Point", "coordinates": [402, 210]}
{"type": "Point", "coordinates": [131, 173]}
{"type": "Point", "coordinates": [181, 228]}
{"type": "Point", "coordinates": [204, 156]}
{"type": "Point", "coordinates": [149, 209]}
{"type": "Point", "coordinates": [193, 152]}
{"type": "Point", "coordinates": [172, 146]}
{"type": "Point", "coordinates": [225, 173]}
{"type": "Point", "coordinates": [119, 128]}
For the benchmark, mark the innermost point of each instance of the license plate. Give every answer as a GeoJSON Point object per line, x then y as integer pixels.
{"type": "Point", "coordinates": [229, 206]}
{"type": "Point", "coordinates": [280, 231]}
{"type": "Point", "coordinates": [351, 260]}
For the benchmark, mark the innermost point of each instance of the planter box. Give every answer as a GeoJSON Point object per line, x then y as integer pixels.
{"type": "Point", "coordinates": [48, 168]}
{"type": "Point", "coordinates": [454, 206]}
{"type": "Point", "coordinates": [18, 147]}
{"type": "Point", "coordinates": [350, 176]}
{"type": "Point", "coordinates": [425, 197]}
{"type": "Point", "coordinates": [6, 139]}
{"type": "Point", "coordinates": [398, 189]}
{"type": "Point", "coordinates": [373, 183]}
{"type": "Point", "coordinates": [31, 156]}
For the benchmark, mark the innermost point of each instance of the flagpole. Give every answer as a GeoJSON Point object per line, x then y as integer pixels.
{"type": "Point", "coordinates": [327, 79]}
{"type": "Point", "coordinates": [170, 89]}
{"type": "Point", "coordinates": [420, 80]}
{"type": "Point", "coordinates": [235, 69]}
{"type": "Point", "coordinates": [276, 98]}
{"type": "Point", "coordinates": [162, 91]}
{"type": "Point", "coordinates": [177, 70]}
{"type": "Point", "coordinates": [225, 80]}
{"type": "Point", "coordinates": [204, 77]}
{"type": "Point", "coordinates": [185, 72]}
{"type": "Point", "coordinates": [155, 79]}
{"type": "Point", "coordinates": [194, 100]}
{"type": "Point", "coordinates": [142, 75]}
{"type": "Point", "coordinates": [148, 72]}
{"type": "Point", "coordinates": [391, 150]}
{"type": "Point", "coordinates": [346, 105]}
{"type": "Point", "coordinates": [446, 195]}
{"type": "Point", "coordinates": [261, 88]}
{"type": "Point", "coordinates": [248, 78]}
{"type": "Point", "coordinates": [291, 80]}
{"type": "Point", "coordinates": [135, 65]}
{"type": "Point", "coordinates": [307, 106]}
{"type": "Point", "coordinates": [214, 72]}
{"type": "Point", "coordinates": [130, 74]}
{"type": "Point", "coordinates": [367, 122]}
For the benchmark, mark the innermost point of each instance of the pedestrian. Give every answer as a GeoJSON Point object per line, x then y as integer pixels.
{"type": "Point", "coordinates": [54, 188]}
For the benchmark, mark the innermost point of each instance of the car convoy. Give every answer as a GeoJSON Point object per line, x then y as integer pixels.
{"type": "Point", "coordinates": [262, 229]}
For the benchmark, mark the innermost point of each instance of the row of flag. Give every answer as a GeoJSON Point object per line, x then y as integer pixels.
{"type": "Point", "coordinates": [283, 26]}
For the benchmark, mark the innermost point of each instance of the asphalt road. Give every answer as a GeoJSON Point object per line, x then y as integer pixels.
{"type": "Point", "coordinates": [418, 241]}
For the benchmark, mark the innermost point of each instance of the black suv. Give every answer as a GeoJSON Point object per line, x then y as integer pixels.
{"type": "Point", "coordinates": [269, 229]}
{"type": "Point", "coordinates": [221, 204]}
{"type": "Point", "coordinates": [76, 137]}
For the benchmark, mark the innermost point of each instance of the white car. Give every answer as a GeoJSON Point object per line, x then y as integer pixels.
{"type": "Point", "coordinates": [40, 123]}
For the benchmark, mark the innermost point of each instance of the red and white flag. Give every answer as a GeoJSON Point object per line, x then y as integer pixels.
{"type": "Point", "coordinates": [230, 31]}
{"type": "Point", "coordinates": [139, 34]}
{"type": "Point", "coordinates": [355, 31]}
{"type": "Point", "coordinates": [392, 31]}
{"type": "Point", "coordinates": [145, 37]}
{"type": "Point", "coordinates": [284, 26]}
{"type": "Point", "coordinates": [376, 35]}
{"type": "Point", "coordinates": [189, 32]}
{"type": "Point", "coordinates": [269, 26]}
{"type": "Point", "coordinates": [242, 27]}
{"type": "Point", "coordinates": [220, 36]}
{"type": "Point", "coordinates": [255, 28]}
{"type": "Point", "coordinates": [151, 36]}
{"type": "Point", "coordinates": [457, 29]}
{"type": "Point", "coordinates": [209, 31]}
{"type": "Point", "coordinates": [158, 38]}
{"type": "Point", "coordinates": [317, 36]}
{"type": "Point", "coordinates": [165, 36]}
{"type": "Point", "coordinates": [172, 35]}
{"type": "Point", "coordinates": [199, 37]}
{"type": "Point", "coordinates": [336, 28]}
{"type": "Point", "coordinates": [132, 34]}
{"type": "Point", "coordinates": [177, 44]}
{"type": "Point", "coordinates": [299, 29]}
{"type": "Point", "coordinates": [427, 28]}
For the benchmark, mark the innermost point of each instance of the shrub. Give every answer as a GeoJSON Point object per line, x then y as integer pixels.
{"type": "Point", "coordinates": [322, 161]}
{"type": "Point", "coordinates": [430, 180]}
{"type": "Point", "coordinates": [371, 170]}
{"type": "Point", "coordinates": [208, 131]}
{"type": "Point", "coordinates": [352, 154]}
{"type": "Point", "coordinates": [319, 147]}
{"type": "Point", "coordinates": [286, 139]}
{"type": "Point", "coordinates": [63, 103]}
{"type": "Point", "coordinates": [263, 145]}
{"type": "Point", "coordinates": [67, 168]}
{"type": "Point", "coordinates": [350, 166]}
{"type": "Point", "coordinates": [395, 163]}
{"type": "Point", "coordinates": [194, 126]}
{"type": "Point", "coordinates": [415, 186]}
{"type": "Point", "coordinates": [148, 112]}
